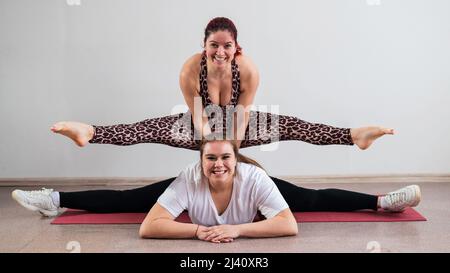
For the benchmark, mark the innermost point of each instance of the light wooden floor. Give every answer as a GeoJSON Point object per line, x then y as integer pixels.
{"type": "Point", "coordinates": [25, 231]}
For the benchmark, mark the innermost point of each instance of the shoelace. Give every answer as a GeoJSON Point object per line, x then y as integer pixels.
{"type": "Point", "coordinates": [397, 197]}
{"type": "Point", "coordinates": [39, 192]}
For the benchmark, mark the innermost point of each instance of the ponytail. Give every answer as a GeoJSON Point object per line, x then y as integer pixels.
{"type": "Point", "coordinates": [244, 159]}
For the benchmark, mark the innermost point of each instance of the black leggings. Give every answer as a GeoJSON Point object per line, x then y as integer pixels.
{"type": "Point", "coordinates": [142, 199]}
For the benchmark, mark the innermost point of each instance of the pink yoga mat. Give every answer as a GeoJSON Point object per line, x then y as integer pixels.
{"type": "Point", "coordinates": [82, 217]}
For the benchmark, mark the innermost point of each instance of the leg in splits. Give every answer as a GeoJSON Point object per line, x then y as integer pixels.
{"type": "Point", "coordinates": [177, 131]}
{"type": "Point", "coordinates": [142, 199]}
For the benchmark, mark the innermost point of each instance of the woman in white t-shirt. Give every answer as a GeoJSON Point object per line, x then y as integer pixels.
{"type": "Point", "coordinates": [222, 193]}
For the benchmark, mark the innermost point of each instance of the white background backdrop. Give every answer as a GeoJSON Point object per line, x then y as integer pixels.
{"type": "Point", "coordinates": [346, 63]}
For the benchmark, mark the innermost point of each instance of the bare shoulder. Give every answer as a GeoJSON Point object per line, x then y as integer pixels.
{"type": "Point", "coordinates": [189, 74]}
{"type": "Point", "coordinates": [247, 67]}
{"type": "Point", "coordinates": [192, 65]}
{"type": "Point", "coordinates": [249, 74]}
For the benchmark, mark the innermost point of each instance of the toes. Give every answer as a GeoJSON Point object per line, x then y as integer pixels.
{"type": "Point", "coordinates": [389, 131]}
{"type": "Point", "coordinates": [57, 127]}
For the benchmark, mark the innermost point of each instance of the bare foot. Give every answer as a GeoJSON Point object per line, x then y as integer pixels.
{"type": "Point", "coordinates": [79, 132]}
{"type": "Point", "coordinates": [364, 136]}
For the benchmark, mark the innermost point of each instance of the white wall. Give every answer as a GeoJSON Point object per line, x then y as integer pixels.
{"type": "Point", "coordinates": [344, 63]}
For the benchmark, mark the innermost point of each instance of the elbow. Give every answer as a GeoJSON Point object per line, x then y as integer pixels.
{"type": "Point", "coordinates": [292, 228]}
{"type": "Point", "coordinates": [145, 232]}
{"type": "Point", "coordinates": [142, 232]}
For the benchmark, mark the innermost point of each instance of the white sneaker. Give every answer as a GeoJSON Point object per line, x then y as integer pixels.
{"type": "Point", "coordinates": [400, 199]}
{"type": "Point", "coordinates": [36, 201]}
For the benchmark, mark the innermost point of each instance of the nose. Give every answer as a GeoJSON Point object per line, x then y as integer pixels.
{"type": "Point", "coordinates": [220, 51]}
{"type": "Point", "coordinates": [218, 163]}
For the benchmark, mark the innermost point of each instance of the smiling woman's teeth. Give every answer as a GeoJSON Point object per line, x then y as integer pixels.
{"type": "Point", "coordinates": [219, 58]}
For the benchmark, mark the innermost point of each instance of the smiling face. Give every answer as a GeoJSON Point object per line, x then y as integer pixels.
{"type": "Point", "coordinates": [218, 162]}
{"type": "Point", "coordinates": [220, 48]}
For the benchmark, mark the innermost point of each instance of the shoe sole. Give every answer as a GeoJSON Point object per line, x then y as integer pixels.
{"type": "Point", "coordinates": [44, 212]}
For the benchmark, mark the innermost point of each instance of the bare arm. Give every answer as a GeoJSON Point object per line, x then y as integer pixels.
{"type": "Point", "coordinates": [283, 224]}
{"type": "Point", "coordinates": [249, 85]}
{"type": "Point", "coordinates": [188, 85]}
{"type": "Point", "coordinates": [159, 223]}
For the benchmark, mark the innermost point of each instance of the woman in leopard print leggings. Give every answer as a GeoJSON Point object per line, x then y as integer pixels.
{"type": "Point", "coordinates": [220, 79]}
{"type": "Point", "coordinates": [223, 78]}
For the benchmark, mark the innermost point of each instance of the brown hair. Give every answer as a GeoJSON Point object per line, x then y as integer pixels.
{"type": "Point", "coordinates": [239, 157]}
{"type": "Point", "coordinates": [222, 23]}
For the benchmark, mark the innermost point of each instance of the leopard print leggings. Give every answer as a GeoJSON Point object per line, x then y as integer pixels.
{"type": "Point", "coordinates": [177, 131]}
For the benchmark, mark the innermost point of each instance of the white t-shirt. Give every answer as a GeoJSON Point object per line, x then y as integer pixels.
{"type": "Point", "coordinates": [253, 190]}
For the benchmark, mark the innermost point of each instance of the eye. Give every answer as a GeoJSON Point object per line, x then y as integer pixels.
{"type": "Point", "coordinates": [210, 158]}
{"type": "Point", "coordinates": [228, 46]}
{"type": "Point", "coordinates": [214, 45]}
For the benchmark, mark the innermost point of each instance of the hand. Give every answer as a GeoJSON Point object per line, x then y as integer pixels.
{"type": "Point", "coordinates": [219, 234]}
